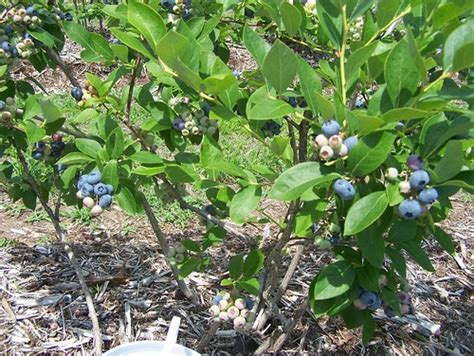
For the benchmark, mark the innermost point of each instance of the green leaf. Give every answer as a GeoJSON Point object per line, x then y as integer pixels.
{"type": "Point", "coordinates": [292, 183]}
{"type": "Point", "coordinates": [181, 174]}
{"type": "Point", "coordinates": [310, 84]}
{"type": "Point", "coordinates": [267, 109]}
{"type": "Point", "coordinates": [115, 143]}
{"type": "Point", "coordinates": [364, 212]}
{"type": "Point", "coordinates": [253, 263]}
{"type": "Point", "coordinates": [75, 158]}
{"type": "Point", "coordinates": [291, 18]}
{"type": "Point", "coordinates": [449, 11]}
{"type": "Point", "coordinates": [215, 84]}
{"type": "Point", "coordinates": [401, 74]}
{"type": "Point", "coordinates": [50, 111]}
{"type": "Point", "coordinates": [398, 261]}
{"type": "Point", "coordinates": [368, 328]}
{"type": "Point", "coordinates": [393, 193]}
{"type": "Point", "coordinates": [418, 254]}
{"type": "Point", "coordinates": [110, 174]}
{"type": "Point", "coordinates": [330, 20]}
{"type": "Point", "coordinates": [146, 157]}
{"type": "Point", "coordinates": [386, 11]}
{"type": "Point", "coordinates": [370, 152]}
{"type": "Point", "coordinates": [191, 245]}
{"type": "Point", "coordinates": [459, 47]}
{"type": "Point", "coordinates": [244, 203]}
{"type": "Point", "coordinates": [444, 240]}
{"type": "Point", "coordinates": [43, 36]}
{"type": "Point", "coordinates": [68, 176]}
{"type": "Point", "coordinates": [227, 282]}
{"type": "Point", "coordinates": [372, 247]}
{"type": "Point", "coordinates": [96, 46]}
{"type": "Point", "coordinates": [356, 60]}
{"type": "Point", "coordinates": [250, 285]}
{"type": "Point", "coordinates": [256, 45]}
{"type": "Point", "coordinates": [132, 42]}
{"type": "Point", "coordinates": [236, 265]}
{"type": "Point", "coordinates": [404, 114]}
{"type": "Point", "coordinates": [334, 280]}
{"type": "Point", "coordinates": [279, 67]}
{"type": "Point", "coordinates": [88, 147]}
{"type": "Point", "coordinates": [189, 266]}
{"type": "Point", "coordinates": [452, 161]}
{"type": "Point", "coordinates": [126, 200]}
{"type": "Point", "coordinates": [147, 21]}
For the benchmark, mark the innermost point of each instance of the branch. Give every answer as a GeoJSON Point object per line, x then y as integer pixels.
{"type": "Point", "coordinates": [135, 72]}
{"type": "Point", "coordinates": [209, 335]}
{"type": "Point", "coordinates": [61, 64]}
{"type": "Point", "coordinates": [75, 264]}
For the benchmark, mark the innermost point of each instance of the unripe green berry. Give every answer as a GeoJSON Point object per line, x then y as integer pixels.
{"type": "Point", "coordinates": [343, 151]}
{"type": "Point", "coordinates": [171, 252]}
{"type": "Point", "coordinates": [180, 247]}
{"type": "Point", "coordinates": [211, 130]}
{"type": "Point", "coordinates": [226, 296]}
{"type": "Point", "coordinates": [334, 228]}
{"type": "Point", "coordinates": [359, 304]}
{"type": "Point", "coordinates": [214, 311]}
{"type": "Point", "coordinates": [240, 303]}
{"type": "Point", "coordinates": [185, 132]}
{"type": "Point", "coordinates": [392, 174]}
{"type": "Point", "coordinates": [335, 142]}
{"type": "Point", "coordinates": [239, 322]}
{"type": "Point", "coordinates": [382, 281]}
{"type": "Point", "coordinates": [321, 140]}
{"type": "Point", "coordinates": [326, 153]}
{"type": "Point", "coordinates": [223, 304]}
{"type": "Point", "coordinates": [189, 125]}
{"type": "Point", "coordinates": [179, 257]}
{"type": "Point", "coordinates": [404, 187]}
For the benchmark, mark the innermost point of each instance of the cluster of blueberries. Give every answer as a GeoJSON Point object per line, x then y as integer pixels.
{"type": "Point", "coordinates": [238, 311]}
{"type": "Point", "coordinates": [182, 7]}
{"type": "Point", "coordinates": [372, 301]}
{"type": "Point", "coordinates": [7, 111]}
{"type": "Point", "coordinates": [177, 254]}
{"type": "Point", "coordinates": [271, 128]}
{"type": "Point", "coordinates": [82, 95]}
{"type": "Point", "coordinates": [331, 144]}
{"type": "Point", "coordinates": [297, 102]}
{"type": "Point", "coordinates": [334, 231]}
{"type": "Point", "coordinates": [356, 29]}
{"type": "Point", "coordinates": [41, 150]}
{"type": "Point", "coordinates": [421, 195]}
{"type": "Point", "coordinates": [197, 123]}
{"type": "Point", "coordinates": [91, 185]}
{"type": "Point", "coordinates": [14, 39]}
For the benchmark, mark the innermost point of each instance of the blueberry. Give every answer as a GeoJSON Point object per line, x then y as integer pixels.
{"type": "Point", "coordinates": [40, 145]}
{"type": "Point", "coordinates": [334, 240]}
{"type": "Point", "coordinates": [314, 227]}
{"type": "Point", "coordinates": [68, 16]}
{"type": "Point", "coordinates": [209, 209]}
{"type": "Point", "coordinates": [81, 181]}
{"type": "Point", "coordinates": [371, 300]}
{"type": "Point", "coordinates": [216, 299]}
{"type": "Point", "coordinates": [206, 108]}
{"type": "Point", "coordinates": [410, 209]}
{"type": "Point", "coordinates": [344, 189]}
{"type": "Point", "coordinates": [419, 179]}
{"type": "Point", "coordinates": [237, 74]}
{"type": "Point", "coordinates": [5, 46]}
{"type": "Point", "coordinates": [94, 177]}
{"type": "Point", "coordinates": [350, 142]}
{"type": "Point", "coordinates": [292, 101]}
{"type": "Point", "coordinates": [2, 105]}
{"type": "Point", "coordinates": [57, 146]}
{"type": "Point", "coordinates": [8, 30]}
{"type": "Point", "coordinates": [331, 128]}
{"type": "Point", "coordinates": [14, 52]}
{"type": "Point", "coordinates": [168, 3]}
{"type": "Point", "coordinates": [249, 303]}
{"type": "Point", "coordinates": [178, 124]}
{"type": "Point", "coordinates": [359, 104]}
{"type": "Point", "coordinates": [31, 11]}
{"type": "Point", "coordinates": [186, 14]}
{"type": "Point", "coordinates": [415, 162]}
{"type": "Point", "coordinates": [105, 201]}
{"type": "Point", "coordinates": [61, 167]}
{"type": "Point", "coordinates": [100, 189]}
{"type": "Point", "coordinates": [77, 93]}
{"type": "Point", "coordinates": [249, 13]}
{"type": "Point", "coordinates": [37, 154]}
{"type": "Point", "coordinates": [87, 190]}
{"type": "Point", "coordinates": [110, 188]}
{"type": "Point", "coordinates": [428, 195]}
{"type": "Point", "coordinates": [115, 41]}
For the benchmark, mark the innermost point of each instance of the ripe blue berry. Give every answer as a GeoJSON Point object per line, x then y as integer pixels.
{"type": "Point", "coordinates": [31, 11]}
{"type": "Point", "coordinates": [249, 303]}
{"type": "Point", "coordinates": [186, 14]}
{"type": "Point", "coordinates": [100, 189]}
{"type": "Point", "coordinates": [2, 105]}
{"type": "Point", "coordinates": [216, 299]}
{"type": "Point", "coordinates": [410, 209]}
{"type": "Point", "coordinates": [210, 209]}
{"type": "Point", "coordinates": [350, 142]}
{"type": "Point", "coordinates": [8, 30]}
{"type": "Point", "coordinates": [77, 93]}
{"type": "Point", "coordinates": [334, 240]}
{"type": "Point", "coordinates": [94, 177]}
{"type": "Point", "coordinates": [37, 154]}
{"type": "Point", "coordinates": [292, 101]}
{"type": "Point", "coordinates": [40, 145]}
{"type": "Point", "coordinates": [359, 104]}
{"type": "Point", "coordinates": [168, 3]}
{"type": "Point", "coordinates": [371, 300]}
{"type": "Point", "coordinates": [314, 227]}
{"type": "Point", "coordinates": [178, 124]}
{"type": "Point", "coordinates": [110, 188]}
{"type": "Point", "coordinates": [206, 108]}
{"type": "Point", "coordinates": [415, 162]}
{"type": "Point", "coordinates": [57, 146]}
{"type": "Point", "coordinates": [81, 181]}
{"type": "Point", "coordinates": [5, 46]}
{"type": "Point", "coordinates": [331, 128]}
{"type": "Point", "coordinates": [344, 189]}
{"type": "Point", "coordinates": [68, 16]}
{"type": "Point", "coordinates": [419, 179]}
{"type": "Point", "coordinates": [105, 201]}
{"type": "Point", "coordinates": [428, 195]}
{"type": "Point", "coordinates": [87, 190]}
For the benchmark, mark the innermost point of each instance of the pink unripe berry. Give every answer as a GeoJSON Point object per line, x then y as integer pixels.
{"type": "Point", "coordinates": [214, 311]}
{"type": "Point", "coordinates": [223, 304]}
{"type": "Point", "coordinates": [335, 142]}
{"type": "Point", "coordinates": [223, 316]}
{"type": "Point", "coordinates": [404, 187]}
{"type": "Point", "coordinates": [326, 153]}
{"type": "Point", "coordinates": [359, 304]}
{"type": "Point", "coordinates": [239, 322]}
{"type": "Point", "coordinates": [343, 151]}
{"type": "Point", "coordinates": [392, 174]}
{"type": "Point", "coordinates": [404, 309]}
{"type": "Point", "coordinates": [79, 195]}
{"type": "Point", "coordinates": [404, 298]}
{"type": "Point", "coordinates": [382, 281]}
{"type": "Point", "coordinates": [88, 202]}
{"type": "Point", "coordinates": [239, 303]}
{"type": "Point", "coordinates": [96, 210]}
{"type": "Point", "coordinates": [321, 140]}
{"type": "Point", "coordinates": [56, 137]}
{"type": "Point", "coordinates": [233, 312]}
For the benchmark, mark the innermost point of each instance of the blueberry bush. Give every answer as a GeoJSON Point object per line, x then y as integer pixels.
{"type": "Point", "coordinates": [371, 141]}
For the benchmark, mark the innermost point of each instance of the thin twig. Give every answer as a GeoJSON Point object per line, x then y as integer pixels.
{"type": "Point", "coordinates": [64, 67]}
{"type": "Point", "coordinates": [208, 337]}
